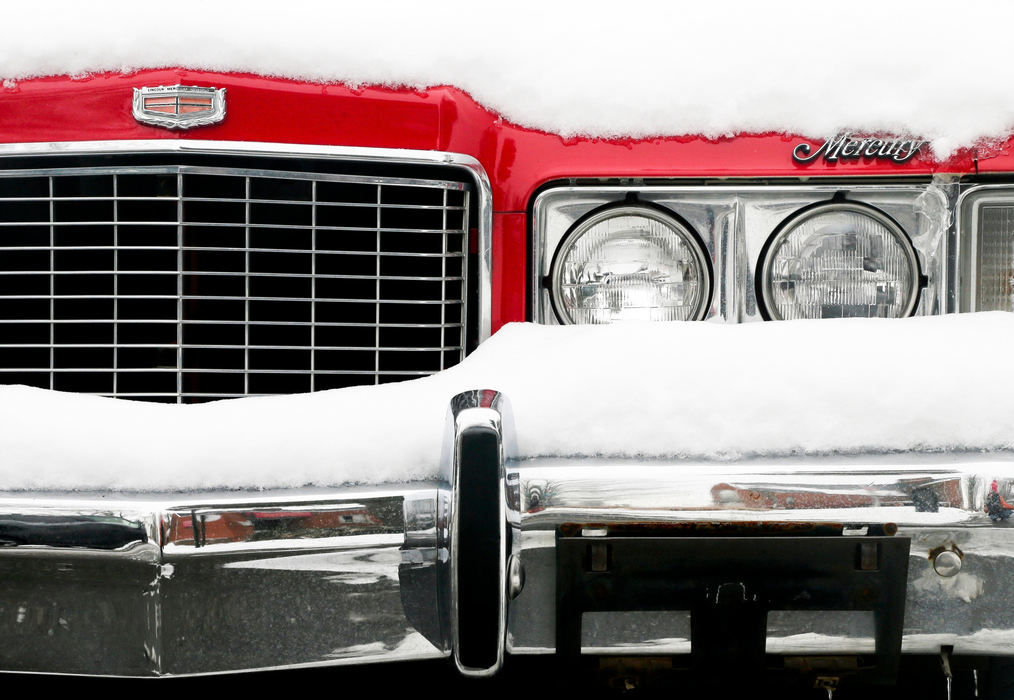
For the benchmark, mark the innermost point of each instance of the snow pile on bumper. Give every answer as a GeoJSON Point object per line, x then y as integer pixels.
{"type": "Point", "coordinates": [691, 390]}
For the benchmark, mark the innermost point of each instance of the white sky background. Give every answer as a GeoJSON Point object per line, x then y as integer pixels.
{"type": "Point", "coordinates": [940, 70]}
{"type": "Point", "coordinates": [699, 390]}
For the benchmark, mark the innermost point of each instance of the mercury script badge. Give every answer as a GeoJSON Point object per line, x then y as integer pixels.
{"type": "Point", "coordinates": [179, 106]}
{"type": "Point", "coordinates": [845, 146]}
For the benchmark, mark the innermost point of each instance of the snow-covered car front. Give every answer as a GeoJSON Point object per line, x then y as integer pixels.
{"type": "Point", "coordinates": [816, 497]}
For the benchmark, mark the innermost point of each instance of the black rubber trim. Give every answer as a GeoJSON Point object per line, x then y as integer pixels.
{"type": "Point", "coordinates": [479, 549]}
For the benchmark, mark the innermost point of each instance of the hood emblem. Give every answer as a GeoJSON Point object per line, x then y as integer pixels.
{"type": "Point", "coordinates": [846, 146]}
{"type": "Point", "coordinates": [179, 106]}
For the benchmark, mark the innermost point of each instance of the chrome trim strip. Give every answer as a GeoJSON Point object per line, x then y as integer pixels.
{"type": "Point", "coordinates": [285, 150]}
{"type": "Point", "coordinates": [230, 172]}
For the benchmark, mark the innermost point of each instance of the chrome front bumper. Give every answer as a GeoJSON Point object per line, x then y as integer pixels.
{"type": "Point", "coordinates": [171, 584]}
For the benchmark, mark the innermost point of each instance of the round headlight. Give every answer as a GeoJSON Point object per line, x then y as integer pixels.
{"type": "Point", "coordinates": [840, 260]}
{"type": "Point", "coordinates": [630, 263]}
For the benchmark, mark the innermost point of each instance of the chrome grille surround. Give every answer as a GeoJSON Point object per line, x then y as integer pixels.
{"type": "Point", "coordinates": [185, 283]}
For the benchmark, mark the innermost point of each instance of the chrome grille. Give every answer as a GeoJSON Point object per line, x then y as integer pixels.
{"type": "Point", "coordinates": [186, 283]}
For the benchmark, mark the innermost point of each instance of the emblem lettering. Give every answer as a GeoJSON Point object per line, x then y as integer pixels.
{"type": "Point", "coordinates": [845, 146]}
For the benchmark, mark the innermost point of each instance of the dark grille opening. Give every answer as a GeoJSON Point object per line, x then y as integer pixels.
{"type": "Point", "coordinates": [190, 282]}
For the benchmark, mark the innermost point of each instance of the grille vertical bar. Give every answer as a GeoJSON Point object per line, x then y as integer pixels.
{"type": "Point", "coordinates": [313, 284]}
{"type": "Point", "coordinates": [180, 355]}
{"type": "Point", "coordinates": [466, 235]}
{"type": "Point", "coordinates": [116, 287]}
{"type": "Point", "coordinates": [377, 341]}
{"type": "Point", "coordinates": [246, 290]}
{"type": "Point", "coordinates": [270, 281]}
{"type": "Point", "coordinates": [52, 287]}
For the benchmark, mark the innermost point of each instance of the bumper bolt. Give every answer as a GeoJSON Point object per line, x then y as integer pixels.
{"type": "Point", "coordinates": [947, 563]}
{"type": "Point", "coordinates": [515, 578]}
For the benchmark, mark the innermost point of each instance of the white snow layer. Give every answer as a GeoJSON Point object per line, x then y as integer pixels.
{"type": "Point", "coordinates": [940, 70]}
{"type": "Point", "coordinates": [699, 390]}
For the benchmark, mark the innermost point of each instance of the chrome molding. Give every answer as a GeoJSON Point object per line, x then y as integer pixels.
{"type": "Point", "coordinates": [284, 150]}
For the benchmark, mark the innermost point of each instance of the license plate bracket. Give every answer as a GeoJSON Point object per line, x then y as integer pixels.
{"type": "Point", "coordinates": [728, 584]}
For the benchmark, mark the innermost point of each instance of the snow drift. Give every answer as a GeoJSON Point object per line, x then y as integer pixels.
{"type": "Point", "coordinates": [671, 390]}
{"type": "Point", "coordinates": [941, 71]}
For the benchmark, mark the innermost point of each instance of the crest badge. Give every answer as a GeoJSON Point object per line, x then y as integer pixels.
{"type": "Point", "coordinates": [179, 106]}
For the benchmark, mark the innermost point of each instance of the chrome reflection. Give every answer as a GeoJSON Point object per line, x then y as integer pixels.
{"type": "Point", "coordinates": [95, 531]}
{"type": "Point", "coordinates": [358, 575]}
{"type": "Point", "coordinates": [203, 527]}
{"type": "Point", "coordinates": [950, 503]}
{"type": "Point", "coordinates": [923, 489]}
{"type": "Point", "coordinates": [140, 585]}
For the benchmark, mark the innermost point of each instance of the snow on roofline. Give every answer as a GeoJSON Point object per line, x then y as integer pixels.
{"type": "Point", "coordinates": [636, 69]}
{"type": "Point", "coordinates": [665, 390]}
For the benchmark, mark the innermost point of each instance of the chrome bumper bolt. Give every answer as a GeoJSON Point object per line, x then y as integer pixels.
{"type": "Point", "coordinates": [947, 563]}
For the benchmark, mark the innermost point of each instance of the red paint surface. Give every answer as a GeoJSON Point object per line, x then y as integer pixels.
{"type": "Point", "coordinates": [517, 160]}
{"type": "Point", "coordinates": [996, 157]}
{"type": "Point", "coordinates": [510, 253]}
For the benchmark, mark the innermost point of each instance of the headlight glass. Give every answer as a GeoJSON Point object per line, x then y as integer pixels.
{"type": "Point", "coordinates": [840, 260]}
{"type": "Point", "coordinates": [630, 263]}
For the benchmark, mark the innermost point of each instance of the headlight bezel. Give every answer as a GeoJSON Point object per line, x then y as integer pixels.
{"type": "Point", "coordinates": [970, 224]}
{"type": "Point", "coordinates": [735, 218]}
{"type": "Point", "coordinates": [762, 276]}
{"type": "Point", "coordinates": [586, 223]}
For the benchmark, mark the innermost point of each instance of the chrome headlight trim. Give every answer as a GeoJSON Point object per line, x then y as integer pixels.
{"type": "Point", "coordinates": [968, 223]}
{"type": "Point", "coordinates": [735, 219]}
{"type": "Point", "coordinates": [683, 230]}
{"type": "Point", "coordinates": [794, 221]}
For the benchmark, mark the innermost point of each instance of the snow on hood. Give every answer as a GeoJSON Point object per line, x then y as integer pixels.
{"type": "Point", "coordinates": [942, 71]}
{"type": "Point", "coordinates": [675, 390]}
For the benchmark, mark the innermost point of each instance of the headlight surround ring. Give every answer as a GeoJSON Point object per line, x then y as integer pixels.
{"type": "Point", "coordinates": [682, 231]}
{"type": "Point", "coordinates": [764, 280]}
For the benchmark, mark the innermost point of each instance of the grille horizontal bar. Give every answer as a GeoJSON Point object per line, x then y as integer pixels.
{"type": "Point", "coordinates": [223, 199]}
{"type": "Point", "coordinates": [187, 283]}
{"type": "Point", "coordinates": [189, 297]}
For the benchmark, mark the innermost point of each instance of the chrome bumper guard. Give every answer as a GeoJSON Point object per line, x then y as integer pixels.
{"type": "Point", "coordinates": [486, 560]}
